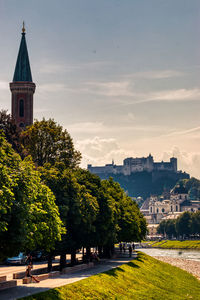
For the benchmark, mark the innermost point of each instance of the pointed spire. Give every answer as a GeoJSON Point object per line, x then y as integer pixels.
{"type": "Point", "coordinates": [22, 69]}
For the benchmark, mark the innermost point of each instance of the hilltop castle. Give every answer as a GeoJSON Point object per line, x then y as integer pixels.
{"type": "Point", "coordinates": [133, 165]}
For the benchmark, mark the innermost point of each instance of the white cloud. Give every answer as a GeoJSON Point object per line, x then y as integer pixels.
{"type": "Point", "coordinates": [187, 161]}
{"type": "Point", "coordinates": [176, 95]}
{"type": "Point", "coordinates": [156, 74]}
{"type": "Point", "coordinates": [4, 85]}
{"type": "Point", "coordinates": [99, 151]}
{"type": "Point", "coordinates": [111, 88]}
{"type": "Point", "coordinates": [86, 127]}
{"type": "Point", "coordinates": [59, 68]}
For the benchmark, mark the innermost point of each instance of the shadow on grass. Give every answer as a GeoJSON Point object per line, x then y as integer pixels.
{"type": "Point", "coordinates": [52, 294]}
{"type": "Point", "coordinates": [114, 272]}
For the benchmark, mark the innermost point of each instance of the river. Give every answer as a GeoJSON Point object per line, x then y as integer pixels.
{"type": "Point", "coordinates": [175, 253]}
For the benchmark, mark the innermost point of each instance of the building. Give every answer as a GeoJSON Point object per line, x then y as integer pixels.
{"type": "Point", "coordinates": [133, 165]}
{"type": "Point", "coordinates": [162, 209]}
{"type": "Point", "coordinates": [22, 88]}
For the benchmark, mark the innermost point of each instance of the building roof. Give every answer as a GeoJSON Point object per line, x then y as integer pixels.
{"type": "Point", "coordinates": [22, 69]}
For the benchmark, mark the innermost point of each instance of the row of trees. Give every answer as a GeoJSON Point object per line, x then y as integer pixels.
{"type": "Point", "coordinates": [47, 201]}
{"type": "Point", "coordinates": [187, 224]}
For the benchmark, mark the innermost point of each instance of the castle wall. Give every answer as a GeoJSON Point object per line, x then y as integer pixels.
{"type": "Point", "coordinates": [134, 165]}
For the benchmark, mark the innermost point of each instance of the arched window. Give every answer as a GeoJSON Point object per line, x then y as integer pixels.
{"type": "Point", "coordinates": [157, 210]}
{"type": "Point", "coordinates": [176, 207]}
{"type": "Point", "coordinates": [21, 108]}
{"type": "Point", "coordinates": [163, 210]}
{"type": "Point", "coordinates": [151, 209]}
{"type": "Point", "coordinates": [171, 208]}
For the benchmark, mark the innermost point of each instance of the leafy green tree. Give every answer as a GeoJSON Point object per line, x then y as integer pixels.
{"type": "Point", "coordinates": [170, 228]}
{"type": "Point", "coordinates": [195, 224]}
{"type": "Point", "coordinates": [162, 227]}
{"type": "Point", "coordinates": [47, 142]}
{"type": "Point", "coordinates": [29, 217]}
{"type": "Point", "coordinates": [78, 208]}
{"type": "Point", "coordinates": [183, 224]}
{"type": "Point", "coordinates": [11, 131]}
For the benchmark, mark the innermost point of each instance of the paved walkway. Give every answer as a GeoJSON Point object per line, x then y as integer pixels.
{"type": "Point", "coordinates": [25, 290]}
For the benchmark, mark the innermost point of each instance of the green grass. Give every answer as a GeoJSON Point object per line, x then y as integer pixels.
{"type": "Point", "coordinates": [178, 245]}
{"type": "Point", "coordinates": [142, 278]}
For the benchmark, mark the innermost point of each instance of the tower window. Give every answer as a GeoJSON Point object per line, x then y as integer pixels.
{"type": "Point", "coordinates": [21, 108]}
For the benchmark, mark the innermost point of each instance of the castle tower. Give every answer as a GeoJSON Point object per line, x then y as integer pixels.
{"type": "Point", "coordinates": [22, 88]}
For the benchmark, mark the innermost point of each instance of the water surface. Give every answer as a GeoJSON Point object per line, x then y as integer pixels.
{"type": "Point", "coordinates": [176, 253]}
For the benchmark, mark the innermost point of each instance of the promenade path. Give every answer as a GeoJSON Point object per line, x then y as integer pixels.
{"type": "Point", "coordinates": [25, 290]}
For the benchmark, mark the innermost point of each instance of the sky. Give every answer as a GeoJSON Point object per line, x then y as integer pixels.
{"type": "Point", "coordinates": [122, 76]}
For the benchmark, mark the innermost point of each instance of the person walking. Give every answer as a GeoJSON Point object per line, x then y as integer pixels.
{"type": "Point", "coordinates": [124, 247]}
{"type": "Point", "coordinates": [130, 250]}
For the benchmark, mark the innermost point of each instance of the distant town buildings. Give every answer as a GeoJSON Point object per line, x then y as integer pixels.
{"type": "Point", "coordinates": [157, 209]}
{"type": "Point", "coordinates": [133, 165]}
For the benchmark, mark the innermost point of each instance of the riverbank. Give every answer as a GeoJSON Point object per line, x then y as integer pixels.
{"type": "Point", "coordinates": [188, 244]}
{"type": "Point", "coordinates": [142, 278]}
{"type": "Point", "coordinates": [190, 266]}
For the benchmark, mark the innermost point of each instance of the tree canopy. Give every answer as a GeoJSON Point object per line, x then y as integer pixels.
{"type": "Point", "coordinates": [47, 142]}
{"type": "Point", "coordinates": [29, 217]}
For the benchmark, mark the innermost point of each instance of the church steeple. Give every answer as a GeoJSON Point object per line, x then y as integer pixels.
{"type": "Point", "coordinates": [22, 69]}
{"type": "Point", "coordinates": [22, 87]}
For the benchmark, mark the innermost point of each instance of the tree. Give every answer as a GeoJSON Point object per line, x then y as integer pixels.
{"type": "Point", "coordinates": [183, 224]}
{"type": "Point", "coordinates": [78, 208]}
{"type": "Point", "coordinates": [29, 217]}
{"type": "Point", "coordinates": [195, 224]}
{"type": "Point", "coordinates": [11, 131]}
{"type": "Point", "coordinates": [47, 142]}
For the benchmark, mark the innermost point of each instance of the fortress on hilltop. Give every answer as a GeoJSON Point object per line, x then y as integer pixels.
{"type": "Point", "coordinates": [133, 165]}
{"type": "Point", "coordinates": [142, 177]}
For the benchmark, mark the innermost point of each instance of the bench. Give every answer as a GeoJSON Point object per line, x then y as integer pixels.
{"type": "Point", "coordinates": [3, 278]}
{"type": "Point", "coordinates": [40, 277]}
{"type": "Point", "coordinates": [77, 268]}
{"type": "Point", "coordinates": [21, 275]}
{"type": "Point", "coordinates": [7, 284]}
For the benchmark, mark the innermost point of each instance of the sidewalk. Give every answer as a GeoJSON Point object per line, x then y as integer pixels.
{"type": "Point", "coordinates": [25, 290]}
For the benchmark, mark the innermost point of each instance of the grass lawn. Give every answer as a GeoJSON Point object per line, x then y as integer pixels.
{"type": "Point", "coordinates": [142, 278]}
{"type": "Point", "coordinates": [178, 245]}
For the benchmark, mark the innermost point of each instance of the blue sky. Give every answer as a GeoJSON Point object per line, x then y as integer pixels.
{"type": "Point", "coordinates": [121, 76]}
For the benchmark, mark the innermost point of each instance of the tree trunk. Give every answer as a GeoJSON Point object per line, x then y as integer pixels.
{"type": "Point", "coordinates": [100, 251]}
{"type": "Point", "coordinates": [88, 252]}
{"type": "Point", "coordinates": [62, 261]}
{"type": "Point", "coordinates": [73, 257]}
{"type": "Point", "coordinates": [49, 265]}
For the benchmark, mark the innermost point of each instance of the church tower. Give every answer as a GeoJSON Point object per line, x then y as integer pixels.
{"type": "Point", "coordinates": [22, 88]}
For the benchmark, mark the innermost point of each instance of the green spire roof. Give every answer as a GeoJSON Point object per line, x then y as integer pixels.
{"type": "Point", "coordinates": [22, 69]}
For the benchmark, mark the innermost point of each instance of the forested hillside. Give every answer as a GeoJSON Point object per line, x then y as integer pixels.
{"type": "Point", "coordinates": [144, 184]}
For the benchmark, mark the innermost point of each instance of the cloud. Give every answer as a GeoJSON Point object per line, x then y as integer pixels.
{"type": "Point", "coordinates": [191, 132]}
{"type": "Point", "coordinates": [4, 85]}
{"type": "Point", "coordinates": [99, 151]}
{"type": "Point", "coordinates": [86, 127]}
{"type": "Point", "coordinates": [61, 68]}
{"type": "Point", "coordinates": [176, 95]}
{"type": "Point", "coordinates": [111, 88]}
{"type": "Point", "coordinates": [49, 68]}
{"type": "Point", "coordinates": [187, 161]}
{"type": "Point", "coordinates": [156, 74]}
